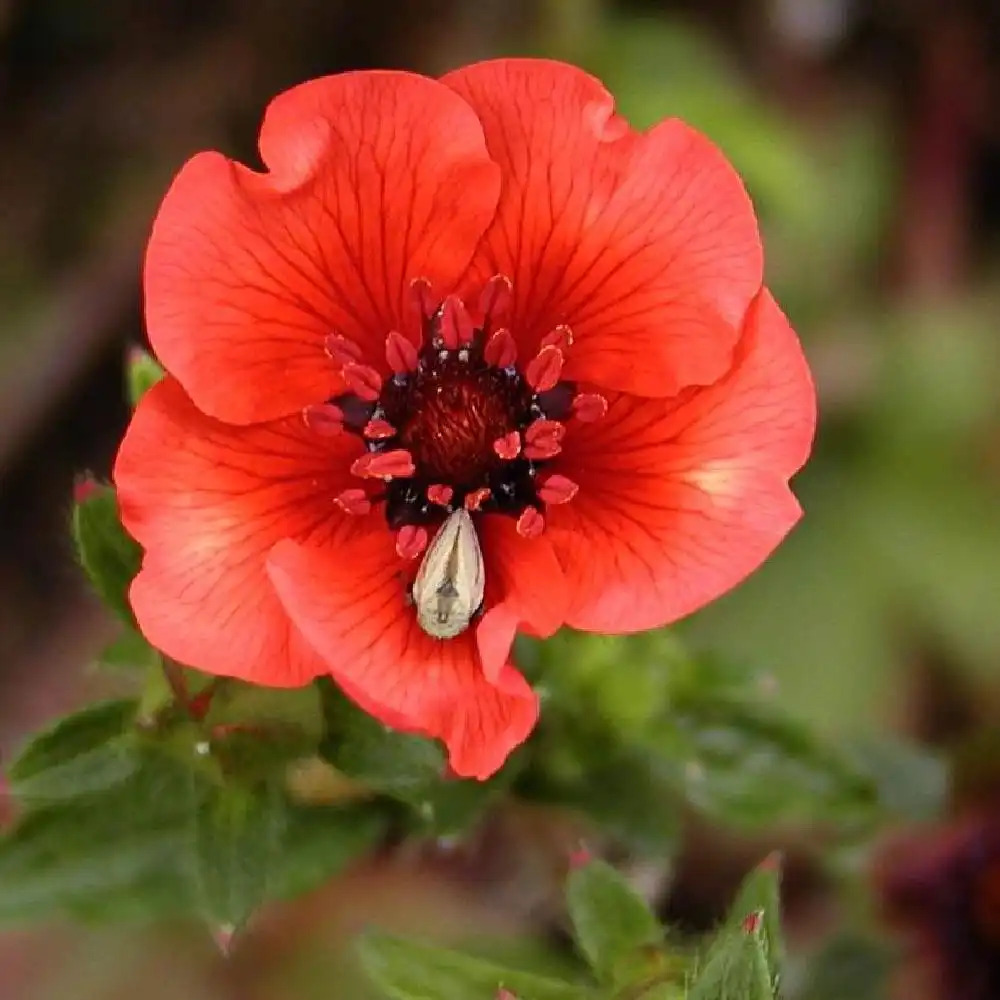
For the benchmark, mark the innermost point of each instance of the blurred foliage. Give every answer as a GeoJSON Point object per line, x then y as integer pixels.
{"type": "Point", "coordinates": [622, 943]}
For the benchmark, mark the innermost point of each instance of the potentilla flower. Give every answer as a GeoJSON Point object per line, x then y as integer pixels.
{"type": "Point", "coordinates": [487, 294]}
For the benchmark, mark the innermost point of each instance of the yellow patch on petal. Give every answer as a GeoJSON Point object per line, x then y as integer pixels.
{"type": "Point", "coordinates": [722, 479]}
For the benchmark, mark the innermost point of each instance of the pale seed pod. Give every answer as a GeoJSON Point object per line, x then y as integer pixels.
{"type": "Point", "coordinates": [448, 590]}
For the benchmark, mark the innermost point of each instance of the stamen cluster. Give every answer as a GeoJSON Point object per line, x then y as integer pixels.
{"type": "Point", "coordinates": [458, 423]}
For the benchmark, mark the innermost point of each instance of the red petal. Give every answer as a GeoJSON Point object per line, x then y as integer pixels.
{"type": "Point", "coordinates": [645, 244]}
{"type": "Point", "coordinates": [678, 504]}
{"type": "Point", "coordinates": [524, 586]}
{"type": "Point", "coordinates": [350, 602]}
{"type": "Point", "coordinates": [207, 501]}
{"type": "Point", "coordinates": [373, 179]}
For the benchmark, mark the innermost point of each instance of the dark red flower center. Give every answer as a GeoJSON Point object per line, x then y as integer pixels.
{"type": "Point", "coordinates": [460, 422]}
{"type": "Point", "coordinates": [450, 413]}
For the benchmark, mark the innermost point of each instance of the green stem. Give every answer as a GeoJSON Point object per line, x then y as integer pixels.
{"type": "Point", "coordinates": [196, 706]}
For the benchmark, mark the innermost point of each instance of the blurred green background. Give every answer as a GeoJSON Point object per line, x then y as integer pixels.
{"type": "Point", "coordinates": [869, 136]}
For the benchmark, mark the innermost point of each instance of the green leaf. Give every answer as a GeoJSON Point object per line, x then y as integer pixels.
{"type": "Point", "coordinates": [129, 651]}
{"type": "Point", "coordinates": [760, 893]}
{"type": "Point", "coordinates": [237, 832]}
{"type": "Point", "coordinates": [849, 966]}
{"type": "Point", "coordinates": [405, 767]}
{"type": "Point", "coordinates": [410, 970]}
{"type": "Point", "coordinates": [662, 991]}
{"type": "Point", "coordinates": [124, 851]}
{"type": "Point", "coordinates": [79, 755]}
{"type": "Point", "coordinates": [911, 782]}
{"type": "Point", "coordinates": [643, 812]}
{"type": "Point", "coordinates": [143, 373]}
{"type": "Point", "coordinates": [236, 703]}
{"type": "Point", "coordinates": [399, 764]}
{"type": "Point", "coordinates": [604, 697]}
{"type": "Point", "coordinates": [742, 760]}
{"type": "Point", "coordinates": [705, 732]}
{"type": "Point", "coordinates": [320, 841]}
{"type": "Point", "coordinates": [735, 967]}
{"type": "Point", "coordinates": [614, 927]}
{"type": "Point", "coordinates": [257, 730]}
{"type": "Point", "coordinates": [110, 557]}
{"type": "Point", "coordinates": [749, 766]}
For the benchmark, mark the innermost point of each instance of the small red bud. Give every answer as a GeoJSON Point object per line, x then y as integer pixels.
{"type": "Point", "coordinates": [84, 487]}
{"type": "Point", "coordinates": [223, 937]}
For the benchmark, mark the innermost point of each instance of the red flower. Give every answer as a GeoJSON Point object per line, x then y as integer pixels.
{"type": "Point", "coordinates": [486, 291]}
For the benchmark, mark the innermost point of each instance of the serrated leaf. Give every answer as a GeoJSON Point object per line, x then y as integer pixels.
{"type": "Point", "coordinates": [78, 755]}
{"type": "Point", "coordinates": [125, 850]}
{"type": "Point", "coordinates": [142, 374]}
{"type": "Point", "coordinates": [320, 841]}
{"type": "Point", "coordinates": [611, 922]}
{"type": "Point", "coordinates": [410, 970]}
{"type": "Point", "coordinates": [110, 557]}
{"type": "Point", "coordinates": [237, 835]}
{"type": "Point", "coordinates": [760, 892]}
{"type": "Point", "coordinates": [735, 968]}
